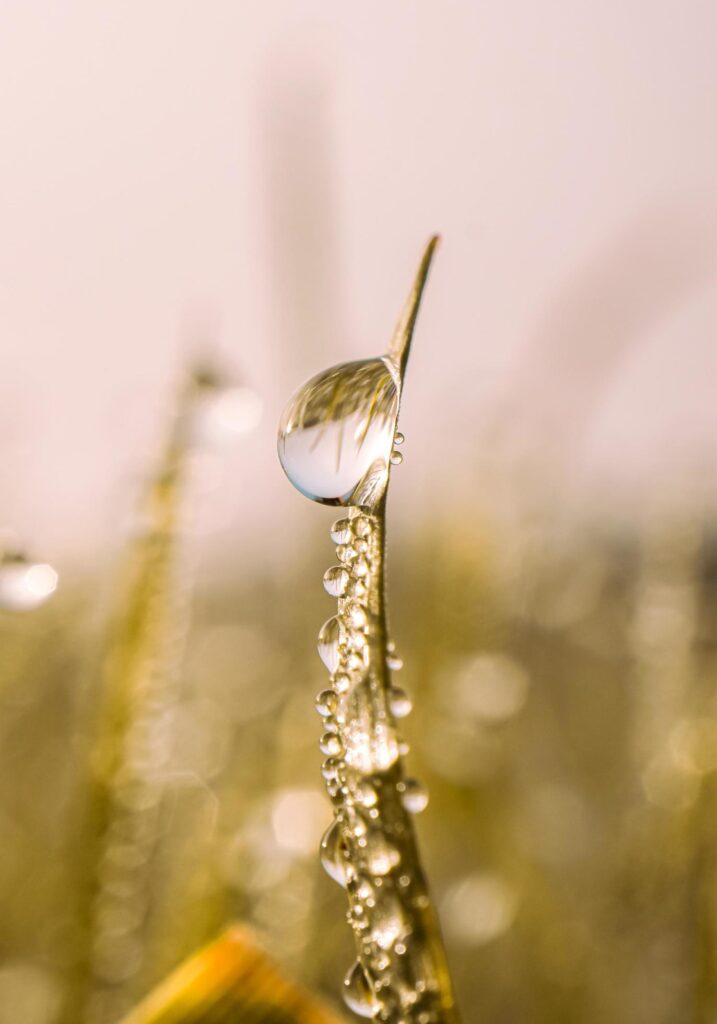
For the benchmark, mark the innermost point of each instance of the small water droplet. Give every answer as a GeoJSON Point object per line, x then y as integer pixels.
{"type": "Point", "coordinates": [331, 767]}
{"type": "Point", "coordinates": [333, 855]}
{"type": "Point", "coordinates": [358, 994]}
{"type": "Point", "coordinates": [361, 567]}
{"type": "Point", "coordinates": [336, 580]}
{"type": "Point", "coordinates": [394, 662]}
{"type": "Point", "coordinates": [399, 702]}
{"type": "Point", "coordinates": [387, 924]}
{"type": "Point", "coordinates": [414, 796]}
{"type": "Point", "coordinates": [361, 526]}
{"type": "Point", "coordinates": [341, 531]}
{"type": "Point", "coordinates": [326, 703]}
{"type": "Point", "coordinates": [356, 589]}
{"type": "Point", "coordinates": [341, 683]}
{"type": "Point", "coordinates": [330, 744]}
{"type": "Point", "coordinates": [381, 855]}
{"type": "Point", "coordinates": [355, 615]}
{"type": "Point", "coordinates": [396, 458]}
{"type": "Point", "coordinates": [346, 553]}
{"type": "Point", "coordinates": [331, 636]}
{"type": "Point", "coordinates": [366, 794]}
{"type": "Point", "coordinates": [398, 437]}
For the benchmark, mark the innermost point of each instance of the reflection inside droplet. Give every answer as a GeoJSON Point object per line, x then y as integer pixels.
{"type": "Point", "coordinates": [336, 433]}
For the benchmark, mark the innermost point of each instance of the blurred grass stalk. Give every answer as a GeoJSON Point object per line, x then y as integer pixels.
{"type": "Point", "coordinates": [132, 742]}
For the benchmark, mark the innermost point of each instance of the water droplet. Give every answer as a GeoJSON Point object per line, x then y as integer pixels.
{"type": "Point", "coordinates": [355, 615]}
{"type": "Point", "coordinates": [361, 567]}
{"type": "Point", "coordinates": [346, 553]}
{"type": "Point", "coordinates": [394, 662]}
{"type": "Point", "coordinates": [356, 589]}
{"type": "Point", "coordinates": [341, 683]}
{"type": "Point", "coordinates": [336, 433]}
{"type": "Point", "coordinates": [398, 437]}
{"type": "Point", "coordinates": [333, 855]}
{"type": "Point", "coordinates": [381, 855]}
{"type": "Point", "coordinates": [330, 744]}
{"type": "Point", "coordinates": [387, 924]}
{"type": "Point", "coordinates": [326, 703]}
{"type": "Point", "coordinates": [331, 636]}
{"type": "Point", "coordinates": [396, 458]}
{"type": "Point", "coordinates": [364, 890]}
{"type": "Point", "coordinates": [361, 526]}
{"type": "Point", "coordinates": [399, 702]}
{"type": "Point", "coordinates": [366, 794]}
{"type": "Point", "coordinates": [341, 531]}
{"type": "Point", "coordinates": [414, 796]}
{"type": "Point", "coordinates": [336, 580]}
{"type": "Point", "coordinates": [358, 994]}
{"type": "Point", "coordinates": [331, 767]}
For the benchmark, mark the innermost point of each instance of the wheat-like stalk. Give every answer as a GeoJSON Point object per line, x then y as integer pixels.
{"type": "Point", "coordinates": [336, 443]}
{"type": "Point", "coordinates": [132, 741]}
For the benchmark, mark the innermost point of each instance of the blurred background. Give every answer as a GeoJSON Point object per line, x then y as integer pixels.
{"type": "Point", "coordinates": [200, 207]}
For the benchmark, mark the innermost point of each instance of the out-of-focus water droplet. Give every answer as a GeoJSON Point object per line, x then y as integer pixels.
{"type": "Point", "coordinates": [336, 433]}
{"type": "Point", "coordinates": [25, 585]}
{"type": "Point", "coordinates": [341, 531]}
{"type": "Point", "coordinates": [396, 458]}
{"type": "Point", "coordinates": [326, 703]}
{"type": "Point", "coordinates": [336, 580]}
{"type": "Point", "coordinates": [399, 702]}
{"type": "Point", "coordinates": [366, 793]}
{"type": "Point", "coordinates": [330, 639]}
{"type": "Point", "coordinates": [398, 437]}
{"type": "Point", "coordinates": [414, 796]}
{"type": "Point", "coordinates": [358, 994]}
{"type": "Point", "coordinates": [387, 924]}
{"type": "Point", "coordinates": [332, 854]}
{"type": "Point", "coordinates": [381, 855]}
{"type": "Point", "coordinates": [330, 744]}
{"type": "Point", "coordinates": [394, 662]}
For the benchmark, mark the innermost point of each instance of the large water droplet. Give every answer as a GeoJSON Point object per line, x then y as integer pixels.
{"type": "Point", "coordinates": [399, 702]}
{"type": "Point", "coordinates": [336, 580]}
{"type": "Point", "coordinates": [331, 636]}
{"type": "Point", "coordinates": [358, 994]}
{"type": "Point", "coordinates": [336, 433]}
{"type": "Point", "coordinates": [332, 854]}
{"type": "Point", "coordinates": [414, 796]}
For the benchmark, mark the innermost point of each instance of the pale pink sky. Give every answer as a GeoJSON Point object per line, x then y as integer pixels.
{"type": "Point", "coordinates": [272, 169]}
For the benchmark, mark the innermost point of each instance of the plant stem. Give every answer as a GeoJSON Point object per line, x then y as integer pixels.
{"type": "Point", "coordinates": [401, 975]}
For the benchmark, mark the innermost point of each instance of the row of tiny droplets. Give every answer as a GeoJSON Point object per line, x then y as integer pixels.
{"type": "Point", "coordinates": [356, 851]}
